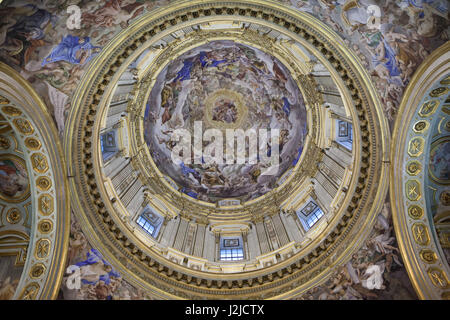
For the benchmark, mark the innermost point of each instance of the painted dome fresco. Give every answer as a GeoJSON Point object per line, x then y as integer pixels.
{"type": "Point", "coordinates": [230, 87]}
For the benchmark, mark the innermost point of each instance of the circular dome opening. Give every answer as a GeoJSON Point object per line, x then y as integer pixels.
{"type": "Point", "coordinates": [223, 97]}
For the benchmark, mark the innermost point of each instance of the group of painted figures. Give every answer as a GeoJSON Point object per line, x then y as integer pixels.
{"type": "Point", "coordinates": [250, 90]}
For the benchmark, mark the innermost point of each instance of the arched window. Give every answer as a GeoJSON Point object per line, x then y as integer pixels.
{"type": "Point", "coordinates": [231, 249]}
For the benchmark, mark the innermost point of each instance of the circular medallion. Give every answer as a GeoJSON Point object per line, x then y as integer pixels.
{"type": "Point", "coordinates": [445, 198]}
{"type": "Point", "coordinates": [225, 109]}
{"type": "Point", "coordinates": [415, 212]}
{"type": "Point", "coordinates": [45, 226]}
{"type": "Point", "coordinates": [421, 126]}
{"type": "Point", "coordinates": [413, 168]}
{"type": "Point", "coordinates": [13, 216]}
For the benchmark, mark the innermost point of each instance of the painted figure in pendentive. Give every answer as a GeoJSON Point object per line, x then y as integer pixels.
{"type": "Point", "coordinates": [74, 50]}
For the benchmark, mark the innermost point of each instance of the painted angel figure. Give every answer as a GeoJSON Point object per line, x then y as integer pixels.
{"type": "Point", "coordinates": [114, 12]}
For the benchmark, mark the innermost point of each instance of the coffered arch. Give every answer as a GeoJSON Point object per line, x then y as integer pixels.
{"type": "Point", "coordinates": [37, 136]}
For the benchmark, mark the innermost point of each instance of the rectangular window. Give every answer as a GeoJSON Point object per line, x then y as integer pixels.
{"type": "Point", "coordinates": [310, 214]}
{"type": "Point", "coordinates": [232, 254]}
{"type": "Point", "coordinates": [108, 144]}
{"type": "Point", "coordinates": [146, 225]}
{"type": "Point", "coordinates": [314, 217]}
{"type": "Point", "coordinates": [345, 134]}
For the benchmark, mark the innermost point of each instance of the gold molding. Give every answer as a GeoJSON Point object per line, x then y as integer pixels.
{"type": "Point", "coordinates": [297, 273]}
{"type": "Point", "coordinates": [410, 219]}
{"type": "Point", "coordinates": [36, 130]}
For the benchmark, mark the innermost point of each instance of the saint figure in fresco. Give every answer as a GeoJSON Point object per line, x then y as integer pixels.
{"type": "Point", "coordinates": [23, 30]}
{"type": "Point", "coordinates": [13, 179]}
{"type": "Point", "coordinates": [72, 49]}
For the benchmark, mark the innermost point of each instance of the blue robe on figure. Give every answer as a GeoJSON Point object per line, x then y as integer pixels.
{"type": "Point", "coordinates": [93, 256]}
{"type": "Point", "coordinates": [67, 50]}
{"type": "Point", "coordinates": [286, 106]}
